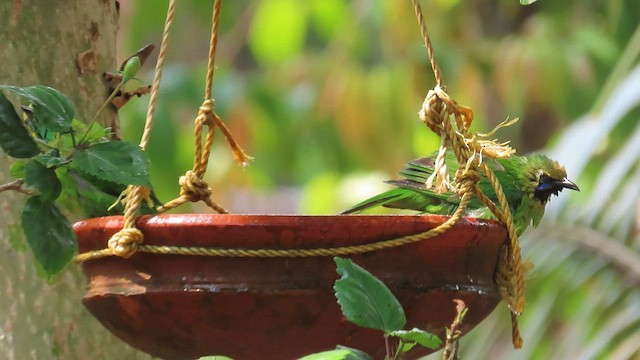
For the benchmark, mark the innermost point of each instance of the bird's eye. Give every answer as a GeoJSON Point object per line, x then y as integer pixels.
{"type": "Point", "coordinates": [542, 185]}
{"type": "Point", "coordinates": [543, 180]}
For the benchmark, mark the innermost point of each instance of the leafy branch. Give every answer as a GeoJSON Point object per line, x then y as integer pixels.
{"type": "Point", "coordinates": [54, 169]}
{"type": "Point", "coordinates": [454, 333]}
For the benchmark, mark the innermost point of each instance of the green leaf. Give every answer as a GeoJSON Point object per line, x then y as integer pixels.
{"type": "Point", "coordinates": [421, 337]}
{"type": "Point", "coordinates": [48, 233]}
{"type": "Point", "coordinates": [90, 194]}
{"type": "Point", "coordinates": [17, 169]}
{"type": "Point", "coordinates": [14, 136]}
{"type": "Point", "coordinates": [51, 108]}
{"type": "Point", "coordinates": [527, 2]}
{"type": "Point", "coordinates": [404, 347]}
{"type": "Point", "coordinates": [42, 179]}
{"type": "Point", "coordinates": [278, 30]}
{"type": "Point", "coordinates": [96, 133]}
{"type": "Point", "coordinates": [340, 353]}
{"type": "Point", "coordinates": [51, 159]}
{"type": "Point", "coordinates": [365, 300]}
{"type": "Point", "coordinates": [118, 162]}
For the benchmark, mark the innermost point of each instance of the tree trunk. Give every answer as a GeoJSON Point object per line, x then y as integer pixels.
{"type": "Point", "coordinates": [66, 44]}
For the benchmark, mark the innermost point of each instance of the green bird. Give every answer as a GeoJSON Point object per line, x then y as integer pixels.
{"type": "Point", "coordinates": [527, 181]}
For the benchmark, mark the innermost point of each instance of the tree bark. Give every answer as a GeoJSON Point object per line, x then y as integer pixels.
{"type": "Point", "coordinates": [65, 44]}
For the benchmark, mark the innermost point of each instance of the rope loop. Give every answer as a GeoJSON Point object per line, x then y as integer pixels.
{"type": "Point", "coordinates": [467, 179]}
{"type": "Point", "coordinates": [193, 187]}
{"type": "Point", "coordinates": [125, 242]}
{"type": "Point", "coordinates": [206, 114]}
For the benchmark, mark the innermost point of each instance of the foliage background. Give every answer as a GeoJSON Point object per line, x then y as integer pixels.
{"type": "Point", "coordinates": [324, 94]}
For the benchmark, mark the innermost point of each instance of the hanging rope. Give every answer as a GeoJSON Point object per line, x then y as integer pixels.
{"type": "Point", "coordinates": [193, 187]}
{"type": "Point", "coordinates": [435, 113]}
{"type": "Point", "coordinates": [126, 242]}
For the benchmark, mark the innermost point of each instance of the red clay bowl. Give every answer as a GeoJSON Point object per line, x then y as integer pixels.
{"type": "Point", "coordinates": [184, 307]}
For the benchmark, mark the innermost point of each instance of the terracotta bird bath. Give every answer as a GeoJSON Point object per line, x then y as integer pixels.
{"type": "Point", "coordinates": [184, 307]}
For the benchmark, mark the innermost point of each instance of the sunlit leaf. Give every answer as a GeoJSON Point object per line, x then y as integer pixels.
{"type": "Point", "coordinates": [418, 336]}
{"type": "Point", "coordinates": [365, 300]}
{"type": "Point", "coordinates": [17, 169]}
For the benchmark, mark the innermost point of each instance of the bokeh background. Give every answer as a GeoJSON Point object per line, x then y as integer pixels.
{"type": "Point", "coordinates": [325, 94]}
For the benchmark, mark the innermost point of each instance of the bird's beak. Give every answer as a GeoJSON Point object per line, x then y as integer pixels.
{"type": "Point", "coordinates": [568, 184]}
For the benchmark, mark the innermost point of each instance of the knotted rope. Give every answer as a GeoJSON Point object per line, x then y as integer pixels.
{"type": "Point", "coordinates": [437, 111]}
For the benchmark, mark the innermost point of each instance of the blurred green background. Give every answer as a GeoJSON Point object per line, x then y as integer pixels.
{"type": "Point", "coordinates": [325, 94]}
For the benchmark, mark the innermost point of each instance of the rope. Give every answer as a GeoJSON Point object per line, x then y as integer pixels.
{"type": "Point", "coordinates": [212, 50]}
{"type": "Point", "coordinates": [509, 275]}
{"type": "Point", "coordinates": [427, 43]}
{"type": "Point", "coordinates": [193, 187]}
{"type": "Point", "coordinates": [153, 99]}
{"type": "Point", "coordinates": [128, 240]}
{"type": "Point", "coordinates": [336, 251]}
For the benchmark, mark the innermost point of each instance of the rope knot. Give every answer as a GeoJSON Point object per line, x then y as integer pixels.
{"type": "Point", "coordinates": [432, 113]}
{"type": "Point", "coordinates": [467, 177]}
{"type": "Point", "coordinates": [193, 187]}
{"type": "Point", "coordinates": [125, 242]}
{"type": "Point", "coordinates": [205, 112]}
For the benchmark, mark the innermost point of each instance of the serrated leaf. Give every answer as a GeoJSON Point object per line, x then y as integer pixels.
{"type": "Point", "coordinates": [44, 180]}
{"type": "Point", "coordinates": [419, 336]}
{"type": "Point", "coordinates": [118, 162]}
{"type": "Point", "coordinates": [48, 233]}
{"type": "Point", "coordinates": [51, 159]}
{"type": "Point", "coordinates": [365, 300]}
{"type": "Point", "coordinates": [340, 353]}
{"type": "Point", "coordinates": [51, 108]}
{"type": "Point", "coordinates": [14, 136]}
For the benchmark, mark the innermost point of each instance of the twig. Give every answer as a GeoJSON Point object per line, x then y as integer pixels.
{"type": "Point", "coordinates": [454, 333]}
{"type": "Point", "coordinates": [387, 347]}
{"type": "Point", "coordinates": [16, 185]}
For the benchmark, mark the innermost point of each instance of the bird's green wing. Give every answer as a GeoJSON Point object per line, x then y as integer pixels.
{"type": "Point", "coordinates": [407, 195]}
{"type": "Point", "coordinates": [411, 193]}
